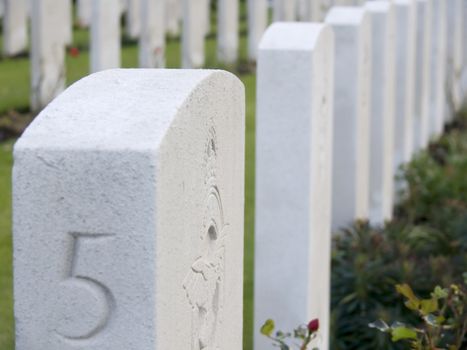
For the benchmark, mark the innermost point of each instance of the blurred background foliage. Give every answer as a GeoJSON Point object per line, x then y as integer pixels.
{"type": "Point", "coordinates": [425, 245]}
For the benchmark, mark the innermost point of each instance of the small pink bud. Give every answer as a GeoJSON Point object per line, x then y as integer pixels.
{"type": "Point", "coordinates": [313, 325]}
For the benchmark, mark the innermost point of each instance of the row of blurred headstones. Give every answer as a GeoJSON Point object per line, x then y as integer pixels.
{"type": "Point", "coordinates": [149, 21]}
{"type": "Point", "coordinates": [341, 106]}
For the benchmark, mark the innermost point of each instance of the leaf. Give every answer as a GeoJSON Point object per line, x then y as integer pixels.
{"type": "Point", "coordinates": [427, 306]}
{"type": "Point", "coordinates": [440, 293]}
{"type": "Point", "coordinates": [267, 328]}
{"type": "Point", "coordinates": [412, 302]}
{"type": "Point", "coordinates": [400, 333]}
{"type": "Point", "coordinates": [380, 325]}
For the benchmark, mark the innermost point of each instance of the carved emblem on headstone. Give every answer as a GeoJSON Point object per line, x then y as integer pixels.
{"type": "Point", "coordinates": [204, 283]}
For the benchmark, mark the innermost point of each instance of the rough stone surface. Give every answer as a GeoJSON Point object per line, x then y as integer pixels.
{"type": "Point", "coordinates": [15, 38]}
{"type": "Point", "coordinates": [128, 215]}
{"type": "Point", "coordinates": [133, 18]}
{"type": "Point", "coordinates": [152, 39]}
{"type": "Point", "coordinates": [422, 77]}
{"type": "Point", "coordinates": [193, 35]}
{"type": "Point", "coordinates": [438, 68]}
{"type": "Point", "coordinates": [382, 111]}
{"type": "Point", "coordinates": [105, 35]}
{"type": "Point", "coordinates": [352, 96]}
{"type": "Point", "coordinates": [47, 53]}
{"type": "Point", "coordinates": [257, 23]}
{"type": "Point", "coordinates": [227, 31]}
{"type": "Point", "coordinates": [293, 177]}
{"type": "Point", "coordinates": [406, 26]}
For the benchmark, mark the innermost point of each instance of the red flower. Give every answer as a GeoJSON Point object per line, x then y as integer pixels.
{"type": "Point", "coordinates": [74, 52]}
{"type": "Point", "coordinates": [313, 326]}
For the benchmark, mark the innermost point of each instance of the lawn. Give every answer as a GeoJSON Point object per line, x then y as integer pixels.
{"type": "Point", "coordinates": [14, 95]}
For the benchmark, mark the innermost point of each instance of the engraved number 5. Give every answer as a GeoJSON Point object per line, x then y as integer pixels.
{"type": "Point", "coordinates": [90, 282]}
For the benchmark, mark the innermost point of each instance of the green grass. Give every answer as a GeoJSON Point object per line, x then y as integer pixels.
{"type": "Point", "coordinates": [14, 95]}
{"type": "Point", "coordinates": [6, 291]}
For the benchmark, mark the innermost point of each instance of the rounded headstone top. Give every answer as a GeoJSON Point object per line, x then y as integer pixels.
{"type": "Point", "coordinates": [346, 15]}
{"type": "Point", "coordinates": [292, 36]}
{"type": "Point", "coordinates": [120, 108]}
{"type": "Point", "coordinates": [378, 6]}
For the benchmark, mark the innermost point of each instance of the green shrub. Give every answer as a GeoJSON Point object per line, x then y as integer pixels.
{"type": "Point", "coordinates": [424, 246]}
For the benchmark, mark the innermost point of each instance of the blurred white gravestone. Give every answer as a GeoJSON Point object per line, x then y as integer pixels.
{"type": "Point", "coordinates": [293, 177]}
{"type": "Point", "coordinates": [257, 24]}
{"type": "Point", "coordinates": [130, 233]}
{"type": "Point", "coordinates": [173, 16]}
{"type": "Point", "coordinates": [105, 35]}
{"type": "Point", "coordinates": [344, 2]}
{"type": "Point", "coordinates": [438, 68]}
{"type": "Point", "coordinates": [227, 30]}
{"type": "Point", "coordinates": [15, 27]}
{"type": "Point", "coordinates": [454, 15]}
{"type": "Point", "coordinates": [152, 38]}
{"type": "Point", "coordinates": [422, 77]}
{"type": "Point", "coordinates": [133, 19]}
{"type": "Point", "coordinates": [67, 20]}
{"type": "Point", "coordinates": [352, 96]}
{"type": "Point", "coordinates": [47, 53]}
{"type": "Point", "coordinates": [123, 6]}
{"type": "Point", "coordinates": [193, 35]}
{"type": "Point", "coordinates": [2, 8]}
{"type": "Point", "coordinates": [284, 10]}
{"type": "Point", "coordinates": [464, 51]}
{"type": "Point", "coordinates": [312, 10]}
{"type": "Point", "coordinates": [405, 80]}
{"type": "Point", "coordinates": [382, 114]}
{"type": "Point", "coordinates": [84, 12]}
{"type": "Point", "coordinates": [207, 16]}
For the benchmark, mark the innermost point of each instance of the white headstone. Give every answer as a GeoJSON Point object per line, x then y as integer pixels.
{"type": "Point", "coordinates": [173, 17]}
{"type": "Point", "coordinates": [133, 19]}
{"type": "Point", "coordinates": [2, 8]}
{"type": "Point", "coordinates": [84, 12]}
{"type": "Point", "coordinates": [193, 35]}
{"type": "Point", "coordinates": [454, 56]}
{"type": "Point", "coordinates": [207, 16]}
{"type": "Point", "coordinates": [152, 38]}
{"type": "Point", "coordinates": [352, 96]}
{"type": "Point", "coordinates": [128, 214]}
{"type": "Point", "coordinates": [453, 19]}
{"type": "Point", "coordinates": [438, 68]}
{"type": "Point", "coordinates": [464, 51]}
{"type": "Point", "coordinates": [284, 10]}
{"type": "Point", "coordinates": [257, 23]}
{"type": "Point", "coordinates": [382, 110]}
{"type": "Point", "coordinates": [311, 10]}
{"type": "Point", "coordinates": [123, 6]}
{"type": "Point", "coordinates": [15, 25]}
{"type": "Point", "coordinates": [406, 30]}
{"type": "Point", "coordinates": [105, 35]}
{"type": "Point", "coordinates": [227, 30]}
{"type": "Point", "coordinates": [293, 177]}
{"type": "Point", "coordinates": [422, 81]}
{"type": "Point", "coordinates": [67, 20]}
{"type": "Point", "coordinates": [47, 53]}
{"type": "Point", "coordinates": [344, 2]}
